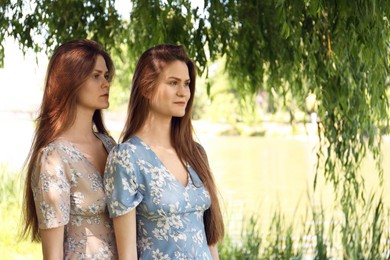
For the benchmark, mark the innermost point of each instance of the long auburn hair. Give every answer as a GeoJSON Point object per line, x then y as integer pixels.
{"type": "Point", "coordinates": [69, 67]}
{"type": "Point", "coordinates": [150, 65]}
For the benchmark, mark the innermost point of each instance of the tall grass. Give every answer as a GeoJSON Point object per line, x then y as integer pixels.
{"type": "Point", "coordinates": [364, 235]}
{"type": "Point", "coordinates": [10, 187]}
{"type": "Point", "coordinates": [248, 245]}
{"type": "Point", "coordinates": [10, 212]}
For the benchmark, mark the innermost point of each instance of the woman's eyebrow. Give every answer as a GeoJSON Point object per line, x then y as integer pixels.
{"type": "Point", "coordinates": [173, 77]}
{"type": "Point", "coordinates": [100, 71]}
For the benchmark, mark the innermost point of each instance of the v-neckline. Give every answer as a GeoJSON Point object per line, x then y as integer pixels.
{"type": "Point", "coordinates": [85, 157]}
{"type": "Point", "coordinates": [166, 168]}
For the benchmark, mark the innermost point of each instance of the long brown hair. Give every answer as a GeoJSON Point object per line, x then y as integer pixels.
{"type": "Point", "coordinates": [145, 79]}
{"type": "Point", "coordinates": [68, 69]}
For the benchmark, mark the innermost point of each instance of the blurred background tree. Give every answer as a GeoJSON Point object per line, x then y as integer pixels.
{"type": "Point", "coordinates": [334, 51]}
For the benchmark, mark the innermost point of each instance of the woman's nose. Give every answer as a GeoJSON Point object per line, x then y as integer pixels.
{"type": "Point", "coordinates": [181, 91]}
{"type": "Point", "coordinates": [105, 83]}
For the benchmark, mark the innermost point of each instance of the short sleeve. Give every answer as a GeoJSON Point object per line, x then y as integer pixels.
{"type": "Point", "coordinates": [51, 189]}
{"type": "Point", "coordinates": [120, 180]}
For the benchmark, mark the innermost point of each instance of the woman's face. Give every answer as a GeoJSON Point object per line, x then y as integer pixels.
{"type": "Point", "coordinates": [172, 92]}
{"type": "Point", "coordinates": [94, 92]}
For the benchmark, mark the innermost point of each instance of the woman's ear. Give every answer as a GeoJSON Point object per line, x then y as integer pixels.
{"type": "Point", "coordinates": [148, 95]}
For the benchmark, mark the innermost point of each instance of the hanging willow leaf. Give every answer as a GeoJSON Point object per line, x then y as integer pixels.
{"type": "Point", "coordinates": [337, 51]}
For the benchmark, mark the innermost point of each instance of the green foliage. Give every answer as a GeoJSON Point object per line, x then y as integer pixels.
{"type": "Point", "coordinates": [9, 187]}
{"type": "Point", "coordinates": [248, 246]}
{"type": "Point", "coordinates": [280, 244]}
{"type": "Point", "coordinates": [363, 229]}
{"type": "Point", "coordinates": [337, 51]}
{"type": "Point", "coordinates": [120, 89]}
{"type": "Point", "coordinates": [154, 22]}
{"type": "Point", "coordinates": [11, 246]}
{"type": "Point", "coordinates": [43, 25]}
{"type": "Point", "coordinates": [322, 48]}
{"type": "Point", "coordinates": [10, 215]}
{"type": "Point", "coordinates": [315, 238]}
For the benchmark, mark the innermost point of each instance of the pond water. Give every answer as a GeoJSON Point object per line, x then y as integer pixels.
{"type": "Point", "coordinates": [259, 175]}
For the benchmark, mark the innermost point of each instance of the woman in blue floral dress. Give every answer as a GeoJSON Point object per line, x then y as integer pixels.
{"type": "Point", "coordinates": [160, 190]}
{"type": "Point", "coordinates": [65, 203]}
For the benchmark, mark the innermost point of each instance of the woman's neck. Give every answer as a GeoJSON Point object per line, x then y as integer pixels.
{"type": "Point", "coordinates": [156, 132]}
{"type": "Point", "coordinates": [81, 129]}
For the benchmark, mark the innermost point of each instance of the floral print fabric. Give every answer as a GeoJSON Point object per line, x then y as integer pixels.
{"type": "Point", "coordinates": [68, 191]}
{"type": "Point", "coordinates": [169, 215]}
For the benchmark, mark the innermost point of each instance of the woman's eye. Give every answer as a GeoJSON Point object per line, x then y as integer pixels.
{"type": "Point", "coordinates": [173, 83]}
{"type": "Point", "coordinates": [107, 77]}
{"type": "Point", "coordinates": [186, 84]}
{"type": "Point", "coordinates": [95, 76]}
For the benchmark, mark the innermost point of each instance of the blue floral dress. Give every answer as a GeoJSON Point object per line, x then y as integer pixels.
{"type": "Point", "coordinates": [169, 216]}
{"type": "Point", "coordinates": [68, 191]}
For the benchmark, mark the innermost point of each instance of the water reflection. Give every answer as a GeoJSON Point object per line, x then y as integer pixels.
{"type": "Point", "coordinates": [263, 174]}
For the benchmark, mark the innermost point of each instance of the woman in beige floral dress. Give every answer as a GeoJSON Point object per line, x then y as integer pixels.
{"type": "Point", "coordinates": [64, 203]}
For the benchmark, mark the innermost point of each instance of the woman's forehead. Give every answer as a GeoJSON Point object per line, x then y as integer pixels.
{"type": "Point", "coordinates": [176, 69]}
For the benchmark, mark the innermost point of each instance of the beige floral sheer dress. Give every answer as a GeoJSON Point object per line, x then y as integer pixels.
{"type": "Point", "coordinates": [68, 191]}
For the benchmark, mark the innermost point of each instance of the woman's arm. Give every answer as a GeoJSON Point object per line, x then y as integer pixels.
{"type": "Point", "coordinates": [52, 243]}
{"type": "Point", "coordinates": [125, 235]}
{"type": "Point", "coordinates": [214, 252]}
